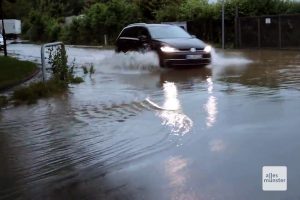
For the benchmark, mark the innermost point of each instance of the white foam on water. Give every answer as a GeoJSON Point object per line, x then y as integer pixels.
{"type": "Point", "coordinates": [220, 59]}
{"type": "Point", "coordinates": [131, 61]}
{"type": "Point", "coordinates": [222, 62]}
{"type": "Point", "coordinates": [171, 102]}
{"type": "Point", "coordinates": [170, 113]}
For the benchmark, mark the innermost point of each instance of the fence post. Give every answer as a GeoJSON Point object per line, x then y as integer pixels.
{"type": "Point", "coordinates": [105, 39]}
{"type": "Point", "coordinates": [236, 27]}
{"type": "Point", "coordinates": [223, 24]}
{"type": "Point", "coordinates": [3, 30]}
{"type": "Point", "coordinates": [258, 33]}
{"type": "Point", "coordinates": [43, 62]}
{"type": "Point", "coordinates": [279, 32]}
{"type": "Point", "coordinates": [240, 32]}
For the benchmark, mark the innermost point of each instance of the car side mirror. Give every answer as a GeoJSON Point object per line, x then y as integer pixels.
{"type": "Point", "coordinates": [143, 38]}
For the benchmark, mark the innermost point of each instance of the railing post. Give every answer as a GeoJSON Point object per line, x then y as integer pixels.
{"type": "Point", "coordinates": [236, 27]}
{"type": "Point", "coordinates": [223, 24]}
{"type": "Point", "coordinates": [279, 32]}
{"type": "Point", "coordinates": [258, 33]}
{"type": "Point", "coordinates": [105, 39]}
{"type": "Point", "coordinates": [43, 61]}
{"type": "Point", "coordinates": [240, 33]}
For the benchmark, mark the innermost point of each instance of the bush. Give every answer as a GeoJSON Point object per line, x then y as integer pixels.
{"type": "Point", "coordinates": [41, 27]}
{"type": "Point", "coordinates": [58, 60]}
{"type": "Point", "coordinates": [61, 77]}
{"type": "Point", "coordinates": [100, 19]}
{"type": "Point", "coordinates": [77, 80]}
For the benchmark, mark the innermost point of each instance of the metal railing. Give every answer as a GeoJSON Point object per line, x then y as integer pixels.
{"type": "Point", "coordinates": [44, 46]}
{"type": "Point", "coordinates": [269, 31]}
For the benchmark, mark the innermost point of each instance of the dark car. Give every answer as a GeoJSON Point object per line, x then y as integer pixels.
{"type": "Point", "coordinates": [174, 46]}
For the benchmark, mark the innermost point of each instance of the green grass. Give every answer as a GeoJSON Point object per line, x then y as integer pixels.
{"type": "Point", "coordinates": [13, 71]}
{"type": "Point", "coordinates": [76, 80]}
{"type": "Point", "coordinates": [35, 91]}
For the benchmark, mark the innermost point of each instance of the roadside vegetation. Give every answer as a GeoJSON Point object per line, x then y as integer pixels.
{"type": "Point", "coordinates": [62, 76]}
{"type": "Point", "coordinates": [38, 90]}
{"type": "Point", "coordinates": [44, 20]}
{"type": "Point", "coordinates": [13, 71]}
{"type": "Point", "coordinates": [87, 70]}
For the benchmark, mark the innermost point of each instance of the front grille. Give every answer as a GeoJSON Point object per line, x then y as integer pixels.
{"type": "Point", "coordinates": [189, 49]}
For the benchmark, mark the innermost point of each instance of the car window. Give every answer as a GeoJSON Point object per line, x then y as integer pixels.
{"type": "Point", "coordinates": [130, 32]}
{"type": "Point", "coordinates": [163, 32]}
{"type": "Point", "coordinates": [143, 31]}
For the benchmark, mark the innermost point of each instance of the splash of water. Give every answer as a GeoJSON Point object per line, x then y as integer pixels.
{"type": "Point", "coordinates": [132, 61]}
{"type": "Point", "coordinates": [220, 59]}
{"type": "Point", "coordinates": [222, 62]}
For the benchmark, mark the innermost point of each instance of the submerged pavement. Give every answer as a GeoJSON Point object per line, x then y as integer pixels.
{"type": "Point", "coordinates": [135, 131]}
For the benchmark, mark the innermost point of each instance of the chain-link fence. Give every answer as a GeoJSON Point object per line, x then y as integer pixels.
{"type": "Point", "coordinates": [281, 31]}
{"type": "Point", "coordinates": [210, 30]}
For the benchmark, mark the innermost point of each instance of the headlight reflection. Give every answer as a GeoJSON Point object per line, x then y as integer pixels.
{"type": "Point", "coordinates": [211, 105]}
{"type": "Point", "coordinates": [171, 114]}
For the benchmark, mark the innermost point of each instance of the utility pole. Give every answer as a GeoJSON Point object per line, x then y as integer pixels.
{"type": "Point", "coordinates": [3, 29]}
{"type": "Point", "coordinates": [223, 24]}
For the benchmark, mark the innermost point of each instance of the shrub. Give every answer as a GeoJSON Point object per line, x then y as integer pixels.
{"type": "Point", "coordinates": [58, 60]}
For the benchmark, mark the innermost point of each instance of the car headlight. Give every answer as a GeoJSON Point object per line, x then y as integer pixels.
{"type": "Point", "coordinates": [168, 49]}
{"type": "Point", "coordinates": [207, 49]}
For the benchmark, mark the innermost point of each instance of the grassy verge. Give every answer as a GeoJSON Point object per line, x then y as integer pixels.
{"type": "Point", "coordinates": [35, 91]}
{"type": "Point", "coordinates": [13, 71]}
{"type": "Point", "coordinates": [62, 76]}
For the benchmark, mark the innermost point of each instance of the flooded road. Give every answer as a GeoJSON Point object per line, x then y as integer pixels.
{"type": "Point", "coordinates": [135, 131]}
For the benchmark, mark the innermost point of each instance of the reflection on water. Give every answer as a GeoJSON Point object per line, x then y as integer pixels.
{"type": "Point", "coordinates": [211, 109]}
{"type": "Point", "coordinates": [176, 171]}
{"type": "Point", "coordinates": [171, 113]}
{"type": "Point", "coordinates": [211, 105]}
{"type": "Point", "coordinates": [268, 71]}
{"type": "Point", "coordinates": [171, 96]}
{"type": "Point", "coordinates": [217, 145]}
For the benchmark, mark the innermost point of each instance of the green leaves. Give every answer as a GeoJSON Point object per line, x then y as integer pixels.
{"type": "Point", "coordinates": [43, 20]}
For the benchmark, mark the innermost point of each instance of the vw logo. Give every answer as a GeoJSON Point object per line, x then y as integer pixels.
{"type": "Point", "coordinates": [193, 49]}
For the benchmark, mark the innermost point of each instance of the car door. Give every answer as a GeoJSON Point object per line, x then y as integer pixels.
{"type": "Point", "coordinates": [128, 40]}
{"type": "Point", "coordinates": [143, 43]}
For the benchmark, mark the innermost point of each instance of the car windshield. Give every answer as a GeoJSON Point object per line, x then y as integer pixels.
{"type": "Point", "coordinates": [164, 32]}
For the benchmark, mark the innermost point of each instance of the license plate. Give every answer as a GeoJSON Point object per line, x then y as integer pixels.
{"type": "Point", "coordinates": [193, 56]}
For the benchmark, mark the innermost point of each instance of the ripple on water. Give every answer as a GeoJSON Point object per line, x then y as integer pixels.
{"type": "Point", "coordinates": [56, 139]}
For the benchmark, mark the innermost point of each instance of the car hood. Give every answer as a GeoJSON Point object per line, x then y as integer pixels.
{"type": "Point", "coordinates": [183, 43]}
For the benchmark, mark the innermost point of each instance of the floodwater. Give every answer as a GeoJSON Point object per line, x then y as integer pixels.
{"type": "Point", "coordinates": [135, 131]}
